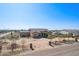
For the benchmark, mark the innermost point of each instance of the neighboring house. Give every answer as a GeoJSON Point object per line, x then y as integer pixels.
{"type": "Point", "coordinates": [54, 32]}
{"type": "Point", "coordinates": [38, 33]}
{"type": "Point", "coordinates": [43, 33]}
{"type": "Point", "coordinates": [34, 33]}
{"type": "Point", "coordinates": [75, 33]}
{"type": "Point", "coordinates": [64, 32]}
{"type": "Point", "coordinates": [24, 34]}
{"type": "Point", "coordinates": [37, 30]}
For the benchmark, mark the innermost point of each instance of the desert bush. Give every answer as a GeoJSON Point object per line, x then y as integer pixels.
{"type": "Point", "coordinates": [57, 43]}
{"type": "Point", "coordinates": [0, 47]}
{"type": "Point", "coordinates": [64, 41]}
{"type": "Point", "coordinates": [23, 47]}
{"type": "Point", "coordinates": [76, 39]}
{"type": "Point", "coordinates": [14, 46]}
{"type": "Point", "coordinates": [51, 44]}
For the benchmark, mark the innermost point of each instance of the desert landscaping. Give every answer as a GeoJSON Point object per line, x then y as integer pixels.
{"type": "Point", "coordinates": [12, 44]}
{"type": "Point", "coordinates": [24, 45]}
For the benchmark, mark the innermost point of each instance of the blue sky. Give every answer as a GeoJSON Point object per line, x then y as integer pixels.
{"type": "Point", "coordinates": [50, 16]}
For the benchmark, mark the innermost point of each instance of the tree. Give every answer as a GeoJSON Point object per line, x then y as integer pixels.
{"type": "Point", "coordinates": [45, 34]}
{"type": "Point", "coordinates": [69, 35]}
{"type": "Point", "coordinates": [51, 36]}
{"type": "Point", "coordinates": [13, 38]}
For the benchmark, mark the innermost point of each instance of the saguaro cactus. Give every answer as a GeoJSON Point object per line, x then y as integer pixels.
{"type": "Point", "coordinates": [31, 46]}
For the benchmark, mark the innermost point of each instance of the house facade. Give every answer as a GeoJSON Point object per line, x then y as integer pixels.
{"type": "Point", "coordinates": [35, 33]}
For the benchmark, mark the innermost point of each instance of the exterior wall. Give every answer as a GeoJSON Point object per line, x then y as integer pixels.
{"type": "Point", "coordinates": [24, 34]}
{"type": "Point", "coordinates": [39, 33]}
{"type": "Point", "coordinates": [34, 33]}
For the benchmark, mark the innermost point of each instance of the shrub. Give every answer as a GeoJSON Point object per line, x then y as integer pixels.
{"type": "Point", "coordinates": [14, 46]}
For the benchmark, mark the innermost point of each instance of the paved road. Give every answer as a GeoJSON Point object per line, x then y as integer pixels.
{"type": "Point", "coordinates": [66, 50]}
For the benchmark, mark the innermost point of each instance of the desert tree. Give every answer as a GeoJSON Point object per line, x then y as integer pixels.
{"type": "Point", "coordinates": [12, 37]}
